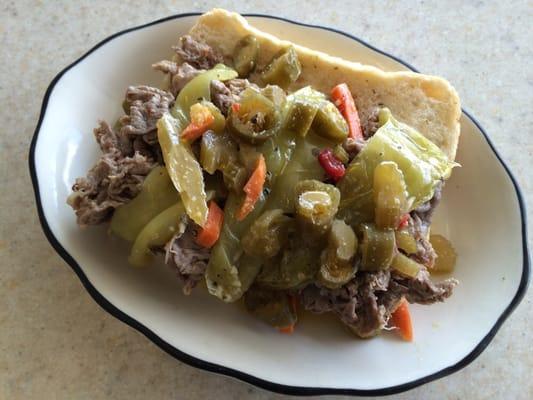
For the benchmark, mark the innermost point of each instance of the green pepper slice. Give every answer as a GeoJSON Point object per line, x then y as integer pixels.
{"type": "Point", "coordinates": [157, 194]}
{"type": "Point", "coordinates": [245, 55]}
{"type": "Point", "coordinates": [256, 118]}
{"type": "Point", "coordinates": [284, 69]}
{"type": "Point", "coordinates": [316, 205]}
{"type": "Point", "coordinates": [421, 162]}
{"type": "Point", "coordinates": [378, 248]}
{"type": "Point", "coordinates": [293, 269]}
{"type": "Point", "coordinates": [217, 150]}
{"type": "Point", "coordinates": [267, 234]}
{"type": "Point", "coordinates": [275, 94]}
{"type": "Point", "coordinates": [220, 120]}
{"type": "Point", "coordinates": [330, 123]}
{"type": "Point", "coordinates": [390, 195]}
{"type": "Point", "coordinates": [337, 267]}
{"type": "Point", "coordinates": [405, 266]}
{"type": "Point", "coordinates": [198, 88]}
{"type": "Point", "coordinates": [271, 306]}
{"type": "Point", "coordinates": [155, 234]}
{"type": "Point", "coordinates": [405, 241]}
{"type": "Point", "coordinates": [183, 168]}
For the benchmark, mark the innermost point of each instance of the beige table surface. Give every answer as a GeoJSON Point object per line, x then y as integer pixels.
{"type": "Point", "coordinates": [57, 343]}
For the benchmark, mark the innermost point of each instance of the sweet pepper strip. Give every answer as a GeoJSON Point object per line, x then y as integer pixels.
{"type": "Point", "coordinates": [342, 97]}
{"type": "Point", "coordinates": [333, 167]}
{"type": "Point", "coordinates": [253, 188]}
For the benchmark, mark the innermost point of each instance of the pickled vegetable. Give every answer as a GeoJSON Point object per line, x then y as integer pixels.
{"type": "Point", "coordinates": [256, 120]}
{"type": "Point", "coordinates": [405, 266]}
{"type": "Point", "coordinates": [183, 168]}
{"type": "Point", "coordinates": [248, 267]}
{"type": "Point", "coordinates": [245, 55]}
{"type": "Point", "coordinates": [378, 248]}
{"type": "Point", "coordinates": [248, 156]}
{"type": "Point", "coordinates": [220, 121]}
{"type": "Point", "coordinates": [337, 266]}
{"type": "Point", "coordinates": [225, 269]}
{"type": "Point", "coordinates": [267, 235]}
{"type": "Point", "coordinates": [228, 274]}
{"type": "Point", "coordinates": [302, 165]}
{"type": "Point", "coordinates": [157, 194]}
{"type": "Point", "coordinates": [156, 234]}
{"type": "Point", "coordinates": [405, 241]}
{"type": "Point", "coordinates": [199, 88]}
{"type": "Point", "coordinates": [222, 276]}
{"type": "Point", "coordinates": [422, 163]}
{"type": "Point", "coordinates": [390, 195]}
{"type": "Point", "coordinates": [235, 175]}
{"type": "Point", "coordinates": [302, 109]}
{"type": "Point", "coordinates": [283, 70]}
{"type": "Point", "coordinates": [293, 269]}
{"type": "Point", "coordinates": [272, 306]}
{"type": "Point", "coordinates": [341, 154]}
{"type": "Point", "coordinates": [217, 151]}
{"type": "Point", "coordinates": [330, 123]}
{"type": "Point", "coordinates": [275, 94]}
{"type": "Point", "coordinates": [316, 206]}
{"type": "Point", "coordinates": [446, 255]}
{"type": "Point", "coordinates": [333, 167]}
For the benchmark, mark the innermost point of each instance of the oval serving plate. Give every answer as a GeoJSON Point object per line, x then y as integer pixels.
{"type": "Point", "coordinates": [481, 217]}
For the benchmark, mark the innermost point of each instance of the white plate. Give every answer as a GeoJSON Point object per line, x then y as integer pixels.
{"type": "Point", "coordinates": [482, 213]}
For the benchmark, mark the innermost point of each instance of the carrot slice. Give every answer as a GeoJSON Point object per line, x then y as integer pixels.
{"type": "Point", "coordinates": [253, 188]}
{"type": "Point", "coordinates": [201, 121]}
{"type": "Point", "coordinates": [209, 234]}
{"type": "Point", "coordinates": [343, 99]}
{"type": "Point", "coordinates": [401, 319]}
{"type": "Point", "coordinates": [287, 329]}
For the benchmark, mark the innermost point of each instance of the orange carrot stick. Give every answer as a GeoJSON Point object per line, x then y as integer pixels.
{"type": "Point", "coordinates": [209, 234]}
{"type": "Point", "coordinates": [401, 319]}
{"type": "Point", "coordinates": [343, 99]}
{"type": "Point", "coordinates": [253, 189]}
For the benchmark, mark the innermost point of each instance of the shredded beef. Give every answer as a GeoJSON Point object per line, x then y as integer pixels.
{"type": "Point", "coordinates": [115, 179]}
{"type": "Point", "coordinates": [422, 289]}
{"type": "Point", "coordinates": [353, 146]}
{"type": "Point", "coordinates": [221, 96]}
{"type": "Point", "coordinates": [179, 75]}
{"type": "Point", "coordinates": [146, 105]}
{"type": "Point", "coordinates": [199, 55]}
{"type": "Point", "coordinates": [366, 302]}
{"type": "Point", "coordinates": [419, 223]}
{"type": "Point", "coordinates": [425, 211]}
{"type": "Point", "coordinates": [188, 258]}
{"type": "Point", "coordinates": [224, 94]}
{"type": "Point", "coordinates": [371, 124]}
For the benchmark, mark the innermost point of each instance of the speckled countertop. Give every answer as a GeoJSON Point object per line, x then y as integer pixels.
{"type": "Point", "coordinates": [56, 342]}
